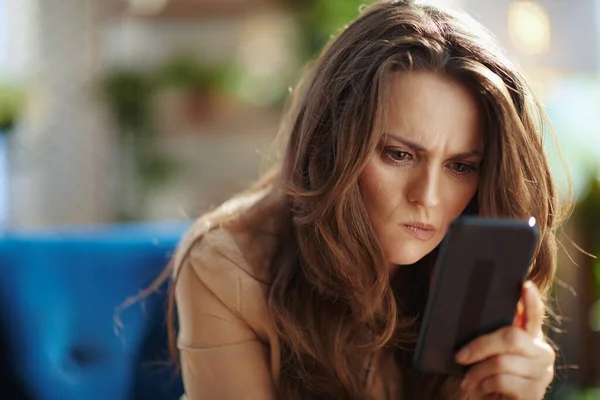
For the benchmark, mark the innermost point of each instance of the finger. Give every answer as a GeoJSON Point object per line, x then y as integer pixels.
{"type": "Point", "coordinates": [534, 309]}
{"type": "Point", "coordinates": [508, 340]}
{"type": "Point", "coordinates": [519, 319]}
{"type": "Point", "coordinates": [504, 364]}
{"type": "Point", "coordinates": [514, 387]}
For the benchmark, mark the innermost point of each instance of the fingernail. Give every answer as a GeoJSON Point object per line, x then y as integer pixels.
{"type": "Point", "coordinates": [463, 355]}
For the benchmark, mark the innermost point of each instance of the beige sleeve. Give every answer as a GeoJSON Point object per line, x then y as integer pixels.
{"type": "Point", "coordinates": [221, 356]}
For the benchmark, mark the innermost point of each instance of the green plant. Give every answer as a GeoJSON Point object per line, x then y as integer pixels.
{"type": "Point", "coordinates": [319, 19]}
{"type": "Point", "coordinates": [588, 214]}
{"type": "Point", "coordinates": [128, 94]}
{"type": "Point", "coordinates": [185, 72]}
{"type": "Point", "coordinates": [589, 394]}
{"type": "Point", "coordinates": [11, 105]}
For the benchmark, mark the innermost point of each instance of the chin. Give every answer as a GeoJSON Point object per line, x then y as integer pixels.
{"type": "Point", "coordinates": [408, 255]}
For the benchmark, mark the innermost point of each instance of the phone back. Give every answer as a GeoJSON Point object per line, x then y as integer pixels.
{"type": "Point", "coordinates": [476, 287]}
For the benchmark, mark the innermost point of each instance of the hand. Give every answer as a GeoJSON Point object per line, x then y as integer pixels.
{"type": "Point", "coordinates": [514, 362]}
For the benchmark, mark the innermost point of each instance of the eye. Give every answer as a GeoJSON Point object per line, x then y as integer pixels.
{"type": "Point", "coordinates": [397, 155]}
{"type": "Point", "coordinates": [462, 168]}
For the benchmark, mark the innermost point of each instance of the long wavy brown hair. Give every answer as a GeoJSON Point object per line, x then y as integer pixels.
{"type": "Point", "coordinates": [331, 296]}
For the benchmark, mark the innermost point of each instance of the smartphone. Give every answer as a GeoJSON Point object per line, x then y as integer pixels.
{"type": "Point", "coordinates": [476, 286]}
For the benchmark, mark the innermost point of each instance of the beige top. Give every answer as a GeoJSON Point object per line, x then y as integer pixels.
{"type": "Point", "coordinates": [227, 340]}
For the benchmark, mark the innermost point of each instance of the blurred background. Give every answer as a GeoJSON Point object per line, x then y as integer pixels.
{"type": "Point", "coordinates": [113, 111]}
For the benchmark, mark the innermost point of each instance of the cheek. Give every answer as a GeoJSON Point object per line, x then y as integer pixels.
{"type": "Point", "coordinates": [458, 198]}
{"type": "Point", "coordinates": [376, 187]}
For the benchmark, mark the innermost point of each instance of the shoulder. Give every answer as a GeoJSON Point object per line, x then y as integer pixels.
{"type": "Point", "coordinates": [240, 234]}
{"type": "Point", "coordinates": [228, 253]}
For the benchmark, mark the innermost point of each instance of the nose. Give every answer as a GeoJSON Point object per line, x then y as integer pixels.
{"type": "Point", "coordinates": [424, 189]}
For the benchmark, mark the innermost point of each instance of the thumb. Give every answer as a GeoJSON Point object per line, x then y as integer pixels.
{"type": "Point", "coordinates": [533, 309]}
{"type": "Point", "coordinates": [519, 319]}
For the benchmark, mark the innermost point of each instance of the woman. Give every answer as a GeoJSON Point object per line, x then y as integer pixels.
{"type": "Point", "coordinates": [312, 284]}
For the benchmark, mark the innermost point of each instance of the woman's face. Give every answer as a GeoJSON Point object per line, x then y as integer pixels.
{"type": "Point", "coordinates": [426, 168]}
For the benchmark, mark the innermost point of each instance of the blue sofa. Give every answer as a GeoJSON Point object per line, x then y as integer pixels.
{"type": "Point", "coordinates": [59, 290]}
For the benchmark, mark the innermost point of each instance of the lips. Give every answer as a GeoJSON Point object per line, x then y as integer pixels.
{"type": "Point", "coordinates": [419, 230]}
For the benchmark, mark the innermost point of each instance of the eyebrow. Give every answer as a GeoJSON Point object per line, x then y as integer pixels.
{"type": "Point", "coordinates": [420, 148]}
